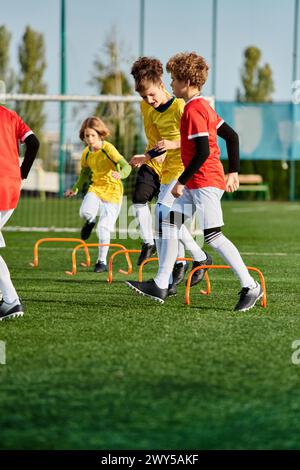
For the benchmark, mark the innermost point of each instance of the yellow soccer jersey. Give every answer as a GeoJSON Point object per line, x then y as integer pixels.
{"type": "Point", "coordinates": [167, 126]}
{"type": "Point", "coordinates": [152, 135]}
{"type": "Point", "coordinates": [102, 163]}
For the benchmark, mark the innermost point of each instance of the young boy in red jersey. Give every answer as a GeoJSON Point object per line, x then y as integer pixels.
{"type": "Point", "coordinates": [12, 130]}
{"type": "Point", "coordinates": [202, 184]}
{"type": "Point", "coordinates": [161, 116]}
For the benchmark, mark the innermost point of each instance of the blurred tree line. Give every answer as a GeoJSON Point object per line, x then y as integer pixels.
{"type": "Point", "coordinates": [123, 119]}
{"type": "Point", "coordinates": [29, 79]}
{"type": "Point", "coordinates": [30, 75]}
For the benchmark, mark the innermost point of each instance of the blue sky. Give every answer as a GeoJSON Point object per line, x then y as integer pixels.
{"type": "Point", "coordinates": [170, 26]}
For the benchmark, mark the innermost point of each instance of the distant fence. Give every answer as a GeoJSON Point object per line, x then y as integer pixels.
{"type": "Point", "coordinates": [269, 131]}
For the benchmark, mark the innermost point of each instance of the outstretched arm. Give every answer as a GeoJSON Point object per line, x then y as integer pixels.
{"type": "Point", "coordinates": [83, 178]}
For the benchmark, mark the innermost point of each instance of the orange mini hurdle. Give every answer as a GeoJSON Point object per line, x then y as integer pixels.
{"type": "Point", "coordinates": [110, 264]}
{"type": "Point", "coordinates": [204, 292]}
{"type": "Point", "coordinates": [261, 277]}
{"type": "Point", "coordinates": [50, 240]}
{"type": "Point", "coordinates": [84, 245]}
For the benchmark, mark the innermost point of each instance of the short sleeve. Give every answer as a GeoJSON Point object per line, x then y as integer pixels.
{"type": "Point", "coordinates": [220, 121]}
{"type": "Point", "coordinates": [23, 130]}
{"type": "Point", "coordinates": [197, 124]}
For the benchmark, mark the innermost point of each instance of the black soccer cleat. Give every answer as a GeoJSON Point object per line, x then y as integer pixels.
{"type": "Point", "coordinates": [100, 267]}
{"type": "Point", "coordinates": [149, 289]}
{"type": "Point", "coordinates": [172, 290]}
{"type": "Point", "coordinates": [15, 309]}
{"type": "Point", "coordinates": [178, 274]}
{"type": "Point", "coordinates": [248, 297]}
{"type": "Point", "coordinates": [199, 275]}
{"type": "Point", "coordinates": [87, 230]}
{"type": "Point", "coordinates": [147, 252]}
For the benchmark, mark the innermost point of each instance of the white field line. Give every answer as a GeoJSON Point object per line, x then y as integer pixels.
{"type": "Point", "coordinates": [57, 229]}
{"type": "Point", "coordinates": [244, 253]}
{"type": "Point", "coordinates": [262, 209]}
{"type": "Point", "coordinates": [250, 253]}
{"type": "Point", "coordinates": [73, 230]}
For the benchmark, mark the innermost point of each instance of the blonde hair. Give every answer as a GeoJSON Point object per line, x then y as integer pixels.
{"type": "Point", "coordinates": [146, 69]}
{"type": "Point", "coordinates": [188, 66]}
{"type": "Point", "coordinates": [94, 122]}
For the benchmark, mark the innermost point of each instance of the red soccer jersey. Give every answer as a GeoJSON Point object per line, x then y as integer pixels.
{"type": "Point", "coordinates": [200, 119]}
{"type": "Point", "coordinates": [12, 129]}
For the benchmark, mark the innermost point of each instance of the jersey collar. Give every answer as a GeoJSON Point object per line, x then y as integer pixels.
{"type": "Point", "coordinates": [194, 98]}
{"type": "Point", "coordinates": [163, 107]}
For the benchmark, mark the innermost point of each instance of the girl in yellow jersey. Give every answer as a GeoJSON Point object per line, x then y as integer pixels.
{"type": "Point", "coordinates": [162, 114]}
{"type": "Point", "coordinates": [105, 166]}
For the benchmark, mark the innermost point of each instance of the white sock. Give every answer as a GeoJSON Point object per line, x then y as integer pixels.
{"type": "Point", "coordinates": [6, 286]}
{"type": "Point", "coordinates": [167, 255]}
{"type": "Point", "coordinates": [231, 255]}
{"type": "Point", "coordinates": [103, 237]}
{"type": "Point", "coordinates": [190, 244]}
{"type": "Point", "coordinates": [144, 218]}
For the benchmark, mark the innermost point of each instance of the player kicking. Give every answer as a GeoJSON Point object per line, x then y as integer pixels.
{"type": "Point", "coordinates": [12, 130]}
{"type": "Point", "coordinates": [202, 184]}
{"type": "Point", "coordinates": [161, 114]}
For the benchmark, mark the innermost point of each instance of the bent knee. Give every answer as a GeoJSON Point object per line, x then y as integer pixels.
{"type": "Point", "coordinates": [210, 234]}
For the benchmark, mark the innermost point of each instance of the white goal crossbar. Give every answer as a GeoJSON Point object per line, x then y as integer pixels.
{"type": "Point", "coordinates": [4, 97]}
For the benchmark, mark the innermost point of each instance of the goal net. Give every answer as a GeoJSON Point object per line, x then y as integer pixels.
{"type": "Point", "coordinates": [42, 205]}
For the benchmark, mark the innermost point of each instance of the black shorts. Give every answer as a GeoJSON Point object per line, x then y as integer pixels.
{"type": "Point", "coordinates": [147, 185]}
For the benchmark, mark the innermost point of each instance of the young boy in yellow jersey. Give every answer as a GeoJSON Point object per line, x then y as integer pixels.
{"type": "Point", "coordinates": [162, 122]}
{"type": "Point", "coordinates": [105, 165]}
{"type": "Point", "coordinates": [147, 187]}
{"type": "Point", "coordinates": [201, 185]}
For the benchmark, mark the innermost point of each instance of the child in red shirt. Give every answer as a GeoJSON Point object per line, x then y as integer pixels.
{"type": "Point", "coordinates": [201, 185]}
{"type": "Point", "coordinates": [12, 130]}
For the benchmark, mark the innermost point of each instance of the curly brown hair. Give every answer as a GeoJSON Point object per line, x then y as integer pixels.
{"type": "Point", "coordinates": [146, 69]}
{"type": "Point", "coordinates": [188, 66]}
{"type": "Point", "coordinates": [94, 122]}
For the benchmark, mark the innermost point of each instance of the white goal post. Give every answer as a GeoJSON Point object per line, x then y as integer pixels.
{"type": "Point", "coordinates": [4, 97]}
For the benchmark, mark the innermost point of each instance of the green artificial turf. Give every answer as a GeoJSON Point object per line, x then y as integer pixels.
{"type": "Point", "coordinates": [95, 366]}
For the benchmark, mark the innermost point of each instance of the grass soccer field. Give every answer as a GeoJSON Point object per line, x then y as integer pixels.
{"type": "Point", "coordinates": [94, 366]}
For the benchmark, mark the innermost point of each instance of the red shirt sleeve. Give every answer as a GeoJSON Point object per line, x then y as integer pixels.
{"type": "Point", "coordinates": [23, 130]}
{"type": "Point", "coordinates": [197, 124]}
{"type": "Point", "coordinates": [219, 121]}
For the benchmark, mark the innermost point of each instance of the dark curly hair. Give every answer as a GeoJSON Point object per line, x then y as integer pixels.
{"type": "Point", "coordinates": [188, 66]}
{"type": "Point", "coordinates": [146, 69]}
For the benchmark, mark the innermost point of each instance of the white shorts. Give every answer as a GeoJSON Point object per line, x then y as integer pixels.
{"type": "Point", "coordinates": [206, 202]}
{"type": "Point", "coordinates": [108, 212]}
{"type": "Point", "coordinates": [165, 197]}
{"type": "Point", "coordinates": [4, 216]}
